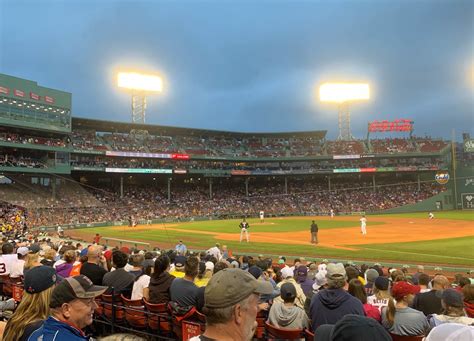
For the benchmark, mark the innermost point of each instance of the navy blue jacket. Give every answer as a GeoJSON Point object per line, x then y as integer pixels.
{"type": "Point", "coordinates": [53, 329]}
{"type": "Point", "coordinates": [330, 305]}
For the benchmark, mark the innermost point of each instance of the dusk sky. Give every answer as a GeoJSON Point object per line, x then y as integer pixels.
{"type": "Point", "coordinates": [252, 66]}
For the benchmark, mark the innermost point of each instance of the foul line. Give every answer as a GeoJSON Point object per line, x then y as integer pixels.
{"type": "Point", "coordinates": [416, 253]}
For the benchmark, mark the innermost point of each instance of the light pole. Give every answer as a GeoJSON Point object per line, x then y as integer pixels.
{"type": "Point", "coordinates": [343, 94]}
{"type": "Point", "coordinates": [139, 85]}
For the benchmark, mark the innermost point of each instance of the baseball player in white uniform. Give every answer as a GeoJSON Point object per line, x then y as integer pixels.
{"type": "Point", "coordinates": [331, 212]}
{"type": "Point", "coordinates": [431, 215]}
{"type": "Point", "coordinates": [262, 216]}
{"type": "Point", "coordinates": [363, 224]}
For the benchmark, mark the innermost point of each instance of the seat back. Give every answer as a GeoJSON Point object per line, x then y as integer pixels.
{"type": "Point", "coordinates": [159, 318]}
{"type": "Point", "coordinates": [134, 313]}
{"type": "Point", "coordinates": [279, 333]}
{"type": "Point", "coordinates": [396, 337]}
{"type": "Point", "coordinates": [6, 285]}
{"type": "Point", "coordinates": [260, 330]}
{"type": "Point", "coordinates": [113, 308]}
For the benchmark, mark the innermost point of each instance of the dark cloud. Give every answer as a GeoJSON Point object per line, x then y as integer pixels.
{"type": "Point", "coordinates": [248, 65]}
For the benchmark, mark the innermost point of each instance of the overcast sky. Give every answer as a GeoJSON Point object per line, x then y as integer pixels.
{"type": "Point", "coordinates": [252, 65]}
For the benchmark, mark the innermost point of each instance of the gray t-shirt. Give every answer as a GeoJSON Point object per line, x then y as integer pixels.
{"type": "Point", "coordinates": [407, 322]}
{"type": "Point", "coordinates": [119, 279]}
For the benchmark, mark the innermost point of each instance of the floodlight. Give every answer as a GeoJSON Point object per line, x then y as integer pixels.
{"type": "Point", "coordinates": [139, 82]}
{"type": "Point", "coordinates": [139, 85]}
{"type": "Point", "coordinates": [344, 92]}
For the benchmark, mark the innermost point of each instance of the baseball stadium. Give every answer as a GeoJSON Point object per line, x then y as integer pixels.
{"type": "Point", "coordinates": [145, 188]}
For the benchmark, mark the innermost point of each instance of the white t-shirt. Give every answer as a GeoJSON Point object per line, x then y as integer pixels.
{"type": "Point", "coordinates": [6, 263]}
{"type": "Point", "coordinates": [377, 303]}
{"type": "Point", "coordinates": [214, 251]}
{"type": "Point", "coordinates": [17, 268]}
{"type": "Point", "coordinates": [363, 221]}
{"type": "Point", "coordinates": [139, 285]}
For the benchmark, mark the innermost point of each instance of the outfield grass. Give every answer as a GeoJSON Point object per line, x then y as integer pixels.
{"type": "Point", "coordinates": [270, 225]}
{"type": "Point", "coordinates": [454, 251]}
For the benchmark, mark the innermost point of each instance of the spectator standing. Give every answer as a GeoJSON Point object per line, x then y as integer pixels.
{"type": "Point", "coordinates": [181, 249]}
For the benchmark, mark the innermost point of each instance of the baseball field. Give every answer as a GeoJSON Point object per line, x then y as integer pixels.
{"type": "Point", "coordinates": [399, 238]}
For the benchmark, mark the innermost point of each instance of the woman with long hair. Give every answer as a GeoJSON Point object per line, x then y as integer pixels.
{"type": "Point", "coordinates": [398, 318]}
{"type": "Point", "coordinates": [31, 260]}
{"type": "Point", "coordinates": [160, 282]}
{"type": "Point", "coordinates": [34, 306]}
{"type": "Point", "coordinates": [357, 289]}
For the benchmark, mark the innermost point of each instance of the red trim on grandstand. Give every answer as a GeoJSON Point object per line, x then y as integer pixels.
{"type": "Point", "coordinates": [19, 93]}
{"type": "Point", "coordinates": [4, 90]}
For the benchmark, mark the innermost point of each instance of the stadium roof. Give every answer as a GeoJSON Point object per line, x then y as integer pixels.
{"type": "Point", "coordinates": [125, 127]}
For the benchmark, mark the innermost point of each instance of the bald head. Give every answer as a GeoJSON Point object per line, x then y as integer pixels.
{"type": "Point", "coordinates": [440, 282]}
{"type": "Point", "coordinates": [93, 253]}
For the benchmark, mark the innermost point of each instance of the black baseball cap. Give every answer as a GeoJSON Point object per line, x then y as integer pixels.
{"type": "Point", "coordinates": [39, 279]}
{"type": "Point", "coordinates": [72, 288]}
{"type": "Point", "coordinates": [288, 291]}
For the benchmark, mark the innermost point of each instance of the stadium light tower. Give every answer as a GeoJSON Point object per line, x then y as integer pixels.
{"type": "Point", "coordinates": [140, 85]}
{"type": "Point", "coordinates": [343, 94]}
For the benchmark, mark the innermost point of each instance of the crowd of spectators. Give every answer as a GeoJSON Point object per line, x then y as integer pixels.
{"type": "Point", "coordinates": [9, 160]}
{"type": "Point", "coordinates": [241, 146]}
{"type": "Point", "coordinates": [145, 202]}
{"type": "Point", "coordinates": [27, 139]}
{"type": "Point", "coordinates": [64, 280]}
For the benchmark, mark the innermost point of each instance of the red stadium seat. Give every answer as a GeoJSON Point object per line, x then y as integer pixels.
{"type": "Point", "coordinates": [396, 337]}
{"type": "Point", "coordinates": [273, 332]}
{"type": "Point", "coordinates": [160, 318]}
{"type": "Point", "coordinates": [135, 313]}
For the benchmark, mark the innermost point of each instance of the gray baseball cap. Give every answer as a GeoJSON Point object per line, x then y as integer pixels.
{"type": "Point", "coordinates": [230, 286]}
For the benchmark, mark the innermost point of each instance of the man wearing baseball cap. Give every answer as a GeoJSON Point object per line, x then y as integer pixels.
{"type": "Point", "coordinates": [231, 307]}
{"type": "Point", "coordinates": [72, 307]}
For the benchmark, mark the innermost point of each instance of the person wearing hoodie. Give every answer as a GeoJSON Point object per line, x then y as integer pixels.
{"type": "Point", "coordinates": [286, 314]}
{"type": "Point", "coordinates": [158, 290]}
{"type": "Point", "coordinates": [330, 305]}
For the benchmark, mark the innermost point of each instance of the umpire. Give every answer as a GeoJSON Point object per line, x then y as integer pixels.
{"type": "Point", "coordinates": [314, 233]}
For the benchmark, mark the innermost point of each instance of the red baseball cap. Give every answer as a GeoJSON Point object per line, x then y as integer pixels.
{"type": "Point", "coordinates": [402, 289]}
